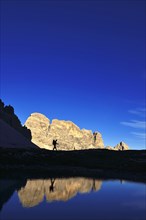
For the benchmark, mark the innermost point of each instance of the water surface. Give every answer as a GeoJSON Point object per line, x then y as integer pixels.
{"type": "Point", "coordinates": [72, 198]}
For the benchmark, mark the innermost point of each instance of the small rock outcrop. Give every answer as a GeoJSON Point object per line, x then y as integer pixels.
{"type": "Point", "coordinates": [69, 135]}
{"type": "Point", "coordinates": [121, 146]}
{"type": "Point", "coordinates": [109, 148]}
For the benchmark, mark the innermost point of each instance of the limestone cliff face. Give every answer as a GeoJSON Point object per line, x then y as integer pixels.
{"type": "Point", "coordinates": [68, 134]}
{"type": "Point", "coordinates": [39, 126]}
{"type": "Point", "coordinates": [55, 190]}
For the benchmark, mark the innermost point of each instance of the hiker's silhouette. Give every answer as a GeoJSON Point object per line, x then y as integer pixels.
{"type": "Point", "coordinates": [52, 185]}
{"type": "Point", "coordinates": [54, 144]}
{"type": "Point", "coordinates": [121, 146]}
{"type": "Point", "coordinates": [94, 136]}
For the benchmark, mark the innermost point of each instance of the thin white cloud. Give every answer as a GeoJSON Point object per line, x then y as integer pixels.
{"type": "Point", "coordinates": [139, 135]}
{"type": "Point", "coordinates": [139, 125]}
{"type": "Point", "coordinates": [135, 124]}
{"type": "Point", "coordinates": [139, 112]}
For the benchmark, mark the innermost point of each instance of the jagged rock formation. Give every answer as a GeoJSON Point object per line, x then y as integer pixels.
{"type": "Point", "coordinates": [41, 132]}
{"type": "Point", "coordinates": [69, 135]}
{"type": "Point", "coordinates": [120, 146]}
{"type": "Point", "coordinates": [55, 190]}
{"type": "Point", "coordinates": [8, 115]}
{"type": "Point", "coordinates": [11, 138]}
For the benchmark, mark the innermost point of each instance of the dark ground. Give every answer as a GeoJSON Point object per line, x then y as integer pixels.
{"type": "Point", "coordinates": [101, 163]}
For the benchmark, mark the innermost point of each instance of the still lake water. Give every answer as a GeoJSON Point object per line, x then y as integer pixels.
{"type": "Point", "coordinates": [72, 198]}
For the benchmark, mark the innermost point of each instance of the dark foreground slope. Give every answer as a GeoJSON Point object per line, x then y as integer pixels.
{"type": "Point", "coordinates": [99, 163]}
{"type": "Point", "coordinates": [11, 138]}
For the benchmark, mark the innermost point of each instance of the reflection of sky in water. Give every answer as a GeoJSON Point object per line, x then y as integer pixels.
{"type": "Point", "coordinates": [114, 200]}
{"type": "Point", "coordinates": [139, 200]}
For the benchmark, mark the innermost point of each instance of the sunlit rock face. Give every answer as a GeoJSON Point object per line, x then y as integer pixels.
{"type": "Point", "coordinates": [109, 148]}
{"type": "Point", "coordinates": [39, 126]}
{"type": "Point", "coordinates": [121, 146]}
{"type": "Point", "coordinates": [55, 190]}
{"type": "Point", "coordinates": [69, 135]}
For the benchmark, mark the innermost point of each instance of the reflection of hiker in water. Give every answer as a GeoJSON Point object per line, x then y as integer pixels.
{"type": "Point", "coordinates": [93, 186]}
{"type": "Point", "coordinates": [54, 144]}
{"type": "Point", "coordinates": [121, 181]}
{"type": "Point", "coordinates": [52, 185]}
{"type": "Point", "coordinates": [121, 146]}
{"type": "Point", "coordinates": [94, 136]}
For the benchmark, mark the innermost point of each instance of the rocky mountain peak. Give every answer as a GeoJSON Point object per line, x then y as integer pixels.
{"type": "Point", "coordinates": [121, 146]}
{"type": "Point", "coordinates": [68, 134]}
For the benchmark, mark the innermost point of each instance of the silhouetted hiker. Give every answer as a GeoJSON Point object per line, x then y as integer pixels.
{"type": "Point", "coordinates": [54, 144]}
{"type": "Point", "coordinates": [94, 136]}
{"type": "Point", "coordinates": [52, 185]}
{"type": "Point", "coordinates": [121, 146]}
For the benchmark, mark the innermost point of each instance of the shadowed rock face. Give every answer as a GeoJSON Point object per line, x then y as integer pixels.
{"type": "Point", "coordinates": [55, 190]}
{"type": "Point", "coordinates": [68, 134]}
{"type": "Point", "coordinates": [11, 138]}
{"type": "Point", "coordinates": [8, 115]}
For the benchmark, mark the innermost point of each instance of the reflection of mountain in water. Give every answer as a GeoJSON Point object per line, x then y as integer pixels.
{"type": "Point", "coordinates": [7, 188]}
{"type": "Point", "coordinates": [55, 190]}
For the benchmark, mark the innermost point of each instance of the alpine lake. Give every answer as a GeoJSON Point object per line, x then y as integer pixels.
{"type": "Point", "coordinates": [72, 198]}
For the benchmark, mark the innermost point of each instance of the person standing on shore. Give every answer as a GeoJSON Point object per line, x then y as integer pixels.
{"type": "Point", "coordinates": [54, 144]}
{"type": "Point", "coordinates": [121, 146]}
{"type": "Point", "coordinates": [94, 136]}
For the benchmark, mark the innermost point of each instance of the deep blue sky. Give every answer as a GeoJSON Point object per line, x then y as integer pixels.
{"type": "Point", "coordinates": [82, 61]}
